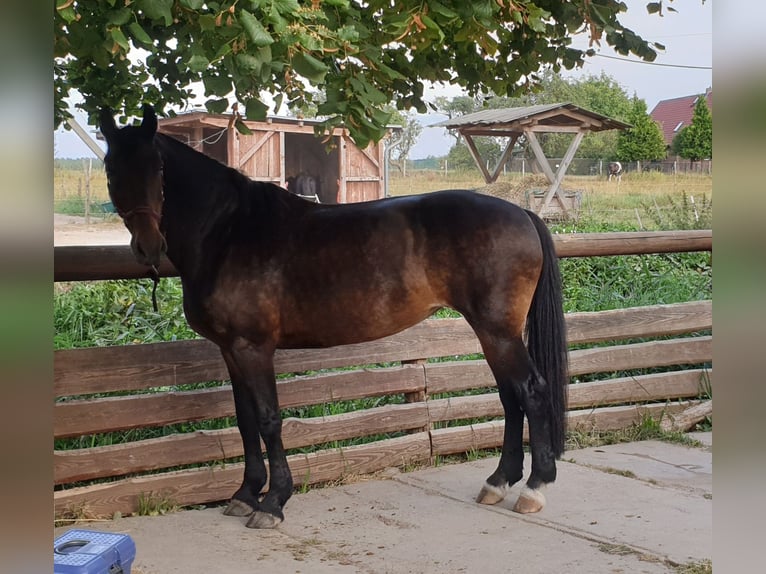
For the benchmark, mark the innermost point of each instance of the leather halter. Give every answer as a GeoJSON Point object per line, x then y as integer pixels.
{"type": "Point", "coordinates": [154, 273]}
{"type": "Point", "coordinates": [141, 209]}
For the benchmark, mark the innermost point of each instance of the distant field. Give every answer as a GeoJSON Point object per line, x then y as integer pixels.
{"type": "Point", "coordinates": [648, 200]}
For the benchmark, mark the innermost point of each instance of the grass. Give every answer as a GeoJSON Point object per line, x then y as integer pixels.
{"type": "Point", "coordinates": [701, 567]}
{"type": "Point", "coordinates": [647, 429]}
{"type": "Point", "coordinates": [151, 504]}
{"type": "Point", "coordinates": [697, 567]}
{"type": "Point", "coordinates": [641, 200]}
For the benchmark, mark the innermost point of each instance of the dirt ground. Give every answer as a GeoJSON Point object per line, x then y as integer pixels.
{"type": "Point", "coordinates": [72, 230]}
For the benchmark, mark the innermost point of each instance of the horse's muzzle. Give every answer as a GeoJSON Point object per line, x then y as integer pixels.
{"type": "Point", "coordinates": [148, 248]}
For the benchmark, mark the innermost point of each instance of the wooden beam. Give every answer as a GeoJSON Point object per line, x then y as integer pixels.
{"type": "Point", "coordinates": [258, 144]}
{"type": "Point", "coordinates": [342, 168]}
{"type": "Point", "coordinates": [477, 157]}
{"type": "Point", "coordinates": [86, 138]}
{"type": "Point", "coordinates": [219, 482]}
{"type": "Point", "coordinates": [203, 446]}
{"type": "Point", "coordinates": [137, 367]}
{"type": "Point", "coordinates": [555, 188]}
{"type": "Point", "coordinates": [453, 440]}
{"type": "Point", "coordinates": [103, 262]}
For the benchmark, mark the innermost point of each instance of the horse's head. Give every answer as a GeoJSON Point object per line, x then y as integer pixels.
{"type": "Point", "coordinates": [134, 177]}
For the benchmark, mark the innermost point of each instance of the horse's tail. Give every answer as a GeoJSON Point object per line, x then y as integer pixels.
{"type": "Point", "coordinates": [546, 336]}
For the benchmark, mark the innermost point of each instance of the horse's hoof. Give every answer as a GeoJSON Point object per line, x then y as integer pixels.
{"type": "Point", "coordinates": [238, 508]}
{"type": "Point", "coordinates": [263, 520]}
{"type": "Point", "coordinates": [491, 494]}
{"type": "Point", "coordinates": [529, 501]}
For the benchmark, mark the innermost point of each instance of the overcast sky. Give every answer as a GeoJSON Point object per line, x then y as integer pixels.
{"type": "Point", "coordinates": [686, 34]}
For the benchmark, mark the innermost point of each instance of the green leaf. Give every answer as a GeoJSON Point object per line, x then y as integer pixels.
{"type": "Point", "coordinates": [254, 29]}
{"type": "Point", "coordinates": [242, 128]}
{"type": "Point", "coordinates": [348, 34]}
{"type": "Point", "coordinates": [653, 7]}
{"type": "Point", "coordinates": [440, 8]}
{"type": "Point", "coordinates": [198, 63]}
{"type": "Point", "coordinates": [278, 102]}
{"type": "Point", "coordinates": [158, 10]}
{"type": "Point", "coordinates": [139, 33]}
{"type": "Point", "coordinates": [216, 85]}
{"type": "Point", "coordinates": [120, 38]}
{"type": "Point", "coordinates": [68, 14]}
{"type": "Point", "coordinates": [288, 7]}
{"type": "Point", "coordinates": [309, 67]}
{"type": "Point", "coordinates": [207, 22]}
{"type": "Point", "coordinates": [222, 51]}
{"type": "Point", "coordinates": [218, 106]}
{"type": "Point", "coordinates": [120, 17]}
{"type": "Point", "coordinates": [248, 63]}
{"type": "Point", "coordinates": [255, 109]}
{"type": "Point", "coordinates": [193, 4]}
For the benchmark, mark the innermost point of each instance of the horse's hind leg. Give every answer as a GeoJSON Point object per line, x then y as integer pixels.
{"type": "Point", "coordinates": [506, 359]}
{"type": "Point", "coordinates": [522, 390]}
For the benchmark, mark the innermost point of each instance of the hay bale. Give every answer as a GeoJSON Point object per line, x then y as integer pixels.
{"type": "Point", "coordinates": [517, 190]}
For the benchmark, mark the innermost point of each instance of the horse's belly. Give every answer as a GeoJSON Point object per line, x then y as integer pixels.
{"type": "Point", "coordinates": [328, 326]}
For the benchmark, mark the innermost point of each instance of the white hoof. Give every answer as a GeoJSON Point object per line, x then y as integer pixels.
{"type": "Point", "coordinates": [491, 494]}
{"type": "Point", "coordinates": [529, 501]}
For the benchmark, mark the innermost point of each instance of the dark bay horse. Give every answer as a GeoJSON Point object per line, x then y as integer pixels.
{"type": "Point", "coordinates": [263, 269]}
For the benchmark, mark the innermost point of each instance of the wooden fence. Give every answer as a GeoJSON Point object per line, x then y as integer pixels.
{"type": "Point", "coordinates": [100, 390]}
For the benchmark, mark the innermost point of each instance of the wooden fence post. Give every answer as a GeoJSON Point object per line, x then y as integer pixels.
{"type": "Point", "coordinates": [418, 396]}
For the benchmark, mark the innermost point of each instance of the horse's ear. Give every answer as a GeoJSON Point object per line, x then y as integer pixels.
{"type": "Point", "coordinates": [106, 121]}
{"type": "Point", "coordinates": [149, 123]}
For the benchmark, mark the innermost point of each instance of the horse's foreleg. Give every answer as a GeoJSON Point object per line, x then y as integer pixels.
{"type": "Point", "coordinates": [244, 501]}
{"type": "Point", "coordinates": [258, 390]}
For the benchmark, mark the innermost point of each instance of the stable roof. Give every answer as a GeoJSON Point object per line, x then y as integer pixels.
{"type": "Point", "coordinates": [542, 118]}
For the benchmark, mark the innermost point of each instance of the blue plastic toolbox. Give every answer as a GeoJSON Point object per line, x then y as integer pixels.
{"type": "Point", "coordinates": [91, 552]}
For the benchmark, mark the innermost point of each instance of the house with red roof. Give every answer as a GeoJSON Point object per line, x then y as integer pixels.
{"type": "Point", "coordinates": [675, 114]}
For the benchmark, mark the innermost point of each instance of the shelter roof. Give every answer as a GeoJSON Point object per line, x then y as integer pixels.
{"type": "Point", "coordinates": [544, 117]}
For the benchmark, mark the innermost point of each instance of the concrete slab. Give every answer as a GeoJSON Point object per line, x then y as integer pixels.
{"type": "Point", "coordinates": [427, 522]}
{"type": "Point", "coordinates": [663, 522]}
{"type": "Point", "coordinates": [653, 461]}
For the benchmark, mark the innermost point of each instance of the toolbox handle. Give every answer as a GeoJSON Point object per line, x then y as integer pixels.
{"type": "Point", "coordinates": [70, 546]}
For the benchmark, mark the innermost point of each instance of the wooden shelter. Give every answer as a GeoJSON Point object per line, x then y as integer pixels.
{"type": "Point", "coordinates": [282, 148]}
{"type": "Point", "coordinates": [512, 123]}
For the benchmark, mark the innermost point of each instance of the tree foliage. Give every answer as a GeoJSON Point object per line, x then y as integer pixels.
{"type": "Point", "coordinates": [695, 141]}
{"type": "Point", "coordinates": [459, 156]}
{"type": "Point", "coordinates": [361, 55]}
{"type": "Point", "coordinates": [405, 140]}
{"type": "Point", "coordinates": [644, 141]}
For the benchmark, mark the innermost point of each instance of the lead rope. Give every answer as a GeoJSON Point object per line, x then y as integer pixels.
{"type": "Point", "coordinates": [155, 275]}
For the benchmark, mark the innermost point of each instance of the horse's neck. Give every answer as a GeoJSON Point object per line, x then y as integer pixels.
{"type": "Point", "coordinates": [206, 202]}
{"type": "Point", "coordinates": [197, 198]}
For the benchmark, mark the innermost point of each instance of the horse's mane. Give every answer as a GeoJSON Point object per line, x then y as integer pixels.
{"type": "Point", "coordinates": [227, 193]}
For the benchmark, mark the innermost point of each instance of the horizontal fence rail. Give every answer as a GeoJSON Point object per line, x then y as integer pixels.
{"type": "Point", "coordinates": [418, 375]}
{"type": "Point", "coordinates": [90, 263]}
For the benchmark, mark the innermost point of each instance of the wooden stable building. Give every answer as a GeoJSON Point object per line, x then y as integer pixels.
{"type": "Point", "coordinates": [283, 148]}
